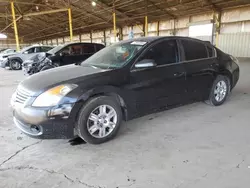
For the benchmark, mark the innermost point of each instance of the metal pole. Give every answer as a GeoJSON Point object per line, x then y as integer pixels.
{"type": "Point", "coordinates": [158, 28]}
{"type": "Point", "coordinates": [146, 20]}
{"type": "Point", "coordinates": [146, 25]}
{"type": "Point", "coordinates": [15, 25]}
{"type": "Point", "coordinates": [114, 21]}
{"type": "Point", "coordinates": [70, 24]}
{"type": "Point", "coordinates": [218, 24]}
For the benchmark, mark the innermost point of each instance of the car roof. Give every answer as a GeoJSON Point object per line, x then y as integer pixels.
{"type": "Point", "coordinates": [154, 38]}
{"type": "Point", "coordinates": [82, 43]}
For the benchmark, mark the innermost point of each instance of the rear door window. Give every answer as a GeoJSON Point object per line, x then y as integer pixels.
{"type": "Point", "coordinates": [194, 50]}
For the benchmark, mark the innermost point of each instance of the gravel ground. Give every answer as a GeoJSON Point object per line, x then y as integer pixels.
{"type": "Point", "coordinates": [194, 146]}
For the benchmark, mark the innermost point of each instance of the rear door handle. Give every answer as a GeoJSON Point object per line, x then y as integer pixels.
{"type": "Point", "coordinates": [179, 74]}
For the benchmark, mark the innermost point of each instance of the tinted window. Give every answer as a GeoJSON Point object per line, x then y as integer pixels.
{"type": "Point", "coordinates": [88, 48]}
{"type": "Point", "coordinates": [46, 48]}
{"type": "Point", "coordinates": [99, 47]}
{"type": "Point", "coordinates": [30, 51]}
{"type": "Point", "coordinates": [210, 51]}
{"type": "Point", "coordinates": [194, 50]}
{"type": "Point", "coordinates": [72, 50]}
{"type": "Point", "coordinates": [165, 52]}
{"type": "Point", "coordinates": [38, 49]}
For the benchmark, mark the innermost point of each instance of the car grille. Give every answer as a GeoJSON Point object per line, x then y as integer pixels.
{"type": "Point", "coordinates": [22, 95]}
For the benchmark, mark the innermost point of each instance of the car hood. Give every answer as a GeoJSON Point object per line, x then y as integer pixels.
{"type": "Point", "coordinates": [42, 81]}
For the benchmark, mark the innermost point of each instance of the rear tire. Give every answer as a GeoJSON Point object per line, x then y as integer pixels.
{"type": "Point", "coordinates": [97, 125]}
{"type": "Point", "coordinates": [219, 91]}
{"type": "Point", "coordinates": [15, 64]}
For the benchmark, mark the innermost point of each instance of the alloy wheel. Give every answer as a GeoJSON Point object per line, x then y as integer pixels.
{"type": "Point", "coordinates": [102, 121]}
{"type": "Point", "coordinates": [16, 65]}
{"type": "Point", "coordinates": [220, 91]}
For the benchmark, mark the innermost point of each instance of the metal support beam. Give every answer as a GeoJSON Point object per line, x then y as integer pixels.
{"type": "Point", "coordinates": [70, 25]}
{"type": "Point", "coordinates": [91, 36]}
{"type": "Point", "coordinates": [46, 12]}
{"type": "Point", "coordinates": [158, 28]}
{"type": "Point", "coordinates": [217, 19]}
{"type": "Point", "coordinates": [10, 24]}
{"type": "Point", "coordinates": [15, 25]}
{"type": "Point", "coordinates": [114, 21]}
{"type": "Point", "coordinates": [104, 36]}
{"type": "Point", "coordinates": [146, 26]}
{"type": "Point", "coordinates": [146, 20]}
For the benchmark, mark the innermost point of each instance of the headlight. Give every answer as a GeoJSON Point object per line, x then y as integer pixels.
{"type": "Point", "coordinates": [53, 96]}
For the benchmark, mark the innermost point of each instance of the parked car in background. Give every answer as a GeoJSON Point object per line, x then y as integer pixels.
{"type": "Point", "coordinates": [2, 49]}
{"type": "Point", "coordinates": [4, 54]}
{"type": "Point", "coordinates": [15, 61]}
{"type": "Point", "coordinates": [123, 81]}
{"type": "Point", "coordinates": [60, 56]}
{"type": "Point", "coordinates": [7, 51]}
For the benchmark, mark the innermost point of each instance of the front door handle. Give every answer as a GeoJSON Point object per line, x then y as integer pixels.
{"type": "Point", "coordinates": [179, 74]}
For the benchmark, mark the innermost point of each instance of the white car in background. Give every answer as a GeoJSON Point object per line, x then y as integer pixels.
{"type": "Point", "coordinates": [15, 61]}
{"type": "Point", "coordinates": [4, 54]}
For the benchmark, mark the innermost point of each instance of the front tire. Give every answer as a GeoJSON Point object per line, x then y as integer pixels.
{"type": "Point", "coordinates": [219, 91]}
{"type": "Point", "coordinates": [15, 64]}
{"type": "Point", "coordinates": [99, 120]}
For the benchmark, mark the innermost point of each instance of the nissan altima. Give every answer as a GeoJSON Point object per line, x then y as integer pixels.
{"type": "Point", "coordinates": [126, 80]}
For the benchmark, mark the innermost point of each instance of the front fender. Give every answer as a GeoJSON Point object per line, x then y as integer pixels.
{"type": "Point", "coordinates": [101, 90]}
{"type": "Point", "coordinates": [122, 96]}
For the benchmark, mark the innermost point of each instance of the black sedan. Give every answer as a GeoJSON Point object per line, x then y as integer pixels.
{"type": "Point", "coordinates": [61, 55]}
{"type": "Point", "coordinates": [121, 82]}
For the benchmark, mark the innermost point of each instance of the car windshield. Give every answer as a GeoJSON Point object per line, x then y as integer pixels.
{"type": "Point", "coordinates": [56, 49]}
{"type": "Point", "coordinates": [115, 56]}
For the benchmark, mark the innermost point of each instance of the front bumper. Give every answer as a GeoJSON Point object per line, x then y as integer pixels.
{"type": "Point", "coordinates": [44, 123]}
{"type": "Point", "coordinates": [3, 63]}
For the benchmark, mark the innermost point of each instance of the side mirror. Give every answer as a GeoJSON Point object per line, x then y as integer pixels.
{"type": "Point", "coordinates": [145, 63]}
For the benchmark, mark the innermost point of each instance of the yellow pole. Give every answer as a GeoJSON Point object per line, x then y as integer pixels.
{"type": "Point", "coordinates": [217, 25]}
{"type": "Point", "coordinates": [146, 25]}
{"type": "Point", "coordinates": [114, 22]}
{"type": "Point", "coordinates": [15, 25]}
{"type": "Point", "coordinates": [70, 24]}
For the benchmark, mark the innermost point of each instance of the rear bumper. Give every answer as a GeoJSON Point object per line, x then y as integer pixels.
{"type": "Point", "coordinates": [236, 76]}
{"type": "Point", "coordinates": [44, 123]}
